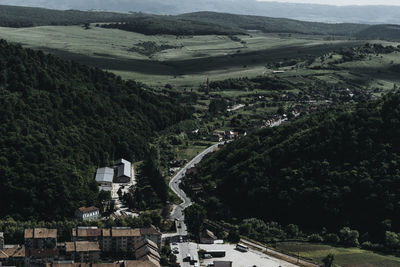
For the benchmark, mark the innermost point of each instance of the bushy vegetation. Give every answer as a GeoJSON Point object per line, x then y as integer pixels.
{"type": "Point", "coordinates": [336, 168]}
{"type": "Point", "coordinates": [60, 120]}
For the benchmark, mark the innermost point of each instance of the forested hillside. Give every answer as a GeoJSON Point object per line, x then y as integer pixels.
{"type": "Point", "coordinates": [59, 121]}
{"type": "Point", "coordinates": [14, 16]}
{"type": "Point", "coordinates": [336, 168]}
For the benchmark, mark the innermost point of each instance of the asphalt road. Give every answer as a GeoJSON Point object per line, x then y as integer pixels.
{"type": "Point", "coordinates": [177, 213]}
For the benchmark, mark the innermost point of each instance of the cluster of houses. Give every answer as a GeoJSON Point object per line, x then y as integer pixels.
{"type": "Point", "coordinates": [219, 136]}
{"type": "Point", "coordinates": [121, 172]}
{"type": "Point", "coordinates": [88, 246]}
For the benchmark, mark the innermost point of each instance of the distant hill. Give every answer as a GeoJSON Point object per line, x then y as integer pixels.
{"type": "Point", "coordinates": [333, 169]}
{"type": "Point", "coordinates": [307, 12]}
{"type": "Point", "coordinates": [59, 121]}
{"type": "Point", "coordinates": [267, 24]}
{"type": "Point", "coordinates": [384, 32]}
{"type": "Point", "coordinates": [15, 16]}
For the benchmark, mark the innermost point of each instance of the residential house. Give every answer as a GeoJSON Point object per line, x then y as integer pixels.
{"type": "Point", "coordinates": [207, 237]}
{"type": "Point", "coordinates": [82, 233]}
{"type": "Point", "coordinates": [40, 238]}
{"type": "Point", "coordinates": [83, 251]}
{"type": "Point", "coordinates": [104, 178]}
{"type": "Point", "coordinates": [87, 213]}
{"type": "Point", "coordinates": [119, 239]}
{"type": "Point", "coordinates": [40, 246]}
{"type": "Point", "coordinates": [151, 233]}
{"type": "Point", "coordinates": [12, 255]}
{"type": "Point", "coordinates": [147, 250]}
{"type": "Point", "coordinates": [124, 263]}
{"type": "Point", "coordinates": [124, 171]}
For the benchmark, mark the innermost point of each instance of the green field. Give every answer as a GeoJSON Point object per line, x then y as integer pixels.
{"type": "Point", "coordinates": [192, 60]}
{"type": "Point", "coordinates": [345, 257]}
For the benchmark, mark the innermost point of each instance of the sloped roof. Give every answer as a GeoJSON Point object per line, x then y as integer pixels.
{"type": "Point", "coordinates": [104, 175]}
{"type": "Point", "coordinates": [145, 242]}
{"type": "Point", "coordinates": [124, 168]}
{"type": "Point", "coordinates": [146, 250]}
{"type": "Point", "coordinates": [125, 232]}
{"type": "Point", "coordinates": [150, 231]}
{"type": "Point", "coordinates": [81, 246]}
{"type": "Point", "coordinates": [40, 233]}
{"type": "Point", "coordinates": [88, 209]}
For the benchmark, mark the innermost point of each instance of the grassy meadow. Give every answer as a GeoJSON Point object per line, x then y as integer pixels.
{"type": "Point", "coordinates": [344, 257]}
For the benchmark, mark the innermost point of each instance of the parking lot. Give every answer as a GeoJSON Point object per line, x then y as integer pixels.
{"type": "Point", "coordinates": [243, 259]}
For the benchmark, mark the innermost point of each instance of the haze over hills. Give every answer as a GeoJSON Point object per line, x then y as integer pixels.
{"type": "Point", "coordinates": [308, 12]}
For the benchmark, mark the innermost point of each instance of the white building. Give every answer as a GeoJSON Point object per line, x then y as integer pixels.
{"type": "Point", "coordinates": [87, 213]}
{"type": "Point", "coordinates": [104, 177]}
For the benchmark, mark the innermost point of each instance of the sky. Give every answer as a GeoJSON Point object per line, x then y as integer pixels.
{"type": "Point", "coordinates": [342, 2]}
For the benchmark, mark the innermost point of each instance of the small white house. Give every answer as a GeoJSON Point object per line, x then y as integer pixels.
{"type": "Point", "coordinates": [87, 213]}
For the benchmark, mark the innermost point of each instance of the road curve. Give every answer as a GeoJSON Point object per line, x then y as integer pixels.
{"type": "Point", "coordinates": [175, 181]}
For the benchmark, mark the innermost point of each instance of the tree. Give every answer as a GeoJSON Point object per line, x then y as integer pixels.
{"type": "Point", "coordinates": [349, 237]}
{"type": "Point", "coordinates": [328, 260]}
{"type": "Point", "coordinates": [194, 218]}
{"type": "Point", "coordinates": [234, 236]}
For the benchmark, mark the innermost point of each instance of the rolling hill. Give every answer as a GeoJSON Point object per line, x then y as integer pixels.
{"type": "Point", "coordinates": [333, 169]}
{"type": "Point", "coordinates": [59, 121]}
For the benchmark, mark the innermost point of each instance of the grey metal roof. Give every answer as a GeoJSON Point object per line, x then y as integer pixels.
{"type": "Point", "coordinates": [105, 175]}
{"type": "Point", "coordinates": [124, 168]}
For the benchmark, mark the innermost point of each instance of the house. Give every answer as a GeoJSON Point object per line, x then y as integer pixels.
{"type": "Point", "coordinates": [124, 263]}
{"type": "Point", "coordinates": [222, 264]}
{"type": "Point", "coordinates": [87, 213]}
{"type": "Point", "coordinates": [40, 238]}
{"type": "Point", "coordinates": [124, 170]}
{"type": "Point", "coordinates": [151, 233]}
{"type": "Point", "coordinates": [82, 233]}
{"type": "Point", "coordinates": [12, 255]}
{"type": "Point", "coordinates": [119, 239]}
{"type": "Point", "coordinates": [83, 251]}
{"type": "Point", "coordinates": [1, 240]}
{"type": "Point", "coordinates": [207, 237]}
{"type": "Point", "coordinates": [104, 178]}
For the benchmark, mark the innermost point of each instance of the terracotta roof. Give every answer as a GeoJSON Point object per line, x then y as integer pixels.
{"type": "Point", "coordinates": [87, 209]}
{"type": "Point", "coordinates": [146, 262]}
{"type": "Point", "coordinates": [208, 234]}
{"type": "Point", "coordinates": [125, 232]}
{"type": "Point", "coordinates": [40, 233]}
{"type": "Point", "coordinates": [146, 250]}
{"type": "Point", "coordinates": [81, 246]}
{"type": "Point", "coordinates": [145, 242]}
{"type": "Point", "coordinates": [150, 231]}
{"type": "Point", "coordinates": [86, 232]}
{"type": "Point", "coordinates": [106, 232]}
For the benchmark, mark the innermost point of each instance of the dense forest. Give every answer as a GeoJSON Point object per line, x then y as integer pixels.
{"type": "Point", "coordinates": [336, 168]}
{"type": "Point", "coordinates": [59, 121]}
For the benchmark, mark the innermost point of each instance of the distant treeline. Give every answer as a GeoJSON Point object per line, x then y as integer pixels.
{"type": "Point", "coordinates": [152, 25]}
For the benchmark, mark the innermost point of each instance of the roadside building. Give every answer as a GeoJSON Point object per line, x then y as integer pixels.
{"type": "Point", "coordinates": [104, 178]}
{"type": "Point", "coordinates": [83, 251]}
{"type": "Point", "coordinates": [216, 138]}
{"type": "Point", "coordinates": [151, 233]}
{"type": "Point", "coordinates": [1, 240]}
{"type": "Point", "coordinates": [124, 171]}
{"type": "Point", "coordinates": [207, 237]}
{"type": "Point", "coordinates": [82, 233]}
{"type": "Point", "coordinates": [87, 213]}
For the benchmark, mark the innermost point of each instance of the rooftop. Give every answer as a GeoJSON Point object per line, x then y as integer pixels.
{"type": "Point", "coordinates": [40, 233]}
{"type": "Point", "coordinates": [87, 209]}
{"type": "Point", "coordinates": [150, 231]}
{"type": "Point", "coordinates": [124, 168]}
{"type": "Point", "coordinates": [81, 246]}
{"type": "Point", "coordinates": [104, 175]}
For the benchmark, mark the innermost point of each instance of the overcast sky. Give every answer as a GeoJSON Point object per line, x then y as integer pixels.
{"type": "Point", "coordinates": [342, 2]}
